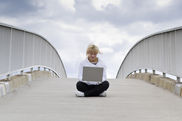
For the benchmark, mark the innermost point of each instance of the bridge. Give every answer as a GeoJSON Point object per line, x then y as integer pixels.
{"type": "Point", "coordinates": [34, 85]}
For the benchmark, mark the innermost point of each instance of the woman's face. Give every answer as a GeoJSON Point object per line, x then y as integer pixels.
{"type": "Point", "coordinates": [92, 56]}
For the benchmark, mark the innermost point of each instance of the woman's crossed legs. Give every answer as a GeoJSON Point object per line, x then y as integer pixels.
{"type": "Point", "coordinates": [92, 90]}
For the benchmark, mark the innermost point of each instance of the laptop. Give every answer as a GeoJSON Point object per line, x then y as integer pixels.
{"type": "Point", "coordinates": [92, 74]}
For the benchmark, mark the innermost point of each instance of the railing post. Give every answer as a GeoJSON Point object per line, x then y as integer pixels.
{"type": "Point", "coordinates": [178, 79]}
{"type": "Point", "coordinates": [31, 70]}
{"type": "Point", "coordinates": [8, 77]}
{"type": "Point", "coordinates": [145, 70]}
{"type": "Point", "coordinates": [53, 74]}
{"type": "Point", "coordinates": [57, 75]}
{"type": "Point", "coordinates": [140, 70]}
{"type": "Point", "coordinates": [164, 74]}
{"type": "Point", "coordinates": [153, 72]}
{"type": "Point", "coordinates": [21, 72]}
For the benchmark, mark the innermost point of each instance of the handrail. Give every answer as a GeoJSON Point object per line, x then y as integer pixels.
{"type": "Point", "coordinates": [159, 51]}
{"type": "Point", "coordinates": [20, 49]}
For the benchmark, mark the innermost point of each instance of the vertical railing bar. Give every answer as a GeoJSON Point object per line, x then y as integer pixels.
{"type": "Point", "coordinates": [140, 70]}
{"type": "Point", "coordinates": [178, 79]}
{"type": "Point", "coordinates": [164, 74]}
{"type": "Point", "coordinates": [21, 72]}
{"type": "Point", "coordinates": [8, 77]}
{"type": "Point", "coordinates": [33, 63]}
{"type": "Point", "coordinates": [145, 70]}
{"type": "Point", "coordinates": [46, 60]}
{"type": "Point", "coordinates": [23, 59]}
{"type": "Point", "coordinates": [31, 69]}
{"type": "Point", "coordinates": [51, 58]}
{"type": "Point", "coordinates": [153, 71]}
{"type": "Point", "coordinates": [10, 49]}
{"type": "Point", "coordinates": [175, 50]}
{"type": "Point", "coordinates": [40, 56]}
{"type": "Point", "coordinates": [38, 68]}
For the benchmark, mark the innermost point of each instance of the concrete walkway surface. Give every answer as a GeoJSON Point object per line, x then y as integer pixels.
{"type": "Point", "coordinates": [54, 100]}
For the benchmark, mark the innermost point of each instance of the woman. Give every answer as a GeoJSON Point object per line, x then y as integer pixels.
{"type": "Point", "coordinates": [90, 88]}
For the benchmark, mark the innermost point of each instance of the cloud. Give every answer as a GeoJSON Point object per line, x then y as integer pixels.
{"type": "Point", "coordinates": [163, 3]}
{"type": "Point", "coordinates": [106, 50]}
{"type": "Point", "coordinates": [68, 4]}
{"type": "Point", "coordinates": [103, 4]}
{"type": "Point", "coordinates": [116, 12]}
{"type": "Point", "coordinates": [105, 34]}
{"type": "Point", "coordinates": [16, 8]}
{"type": "Point", "coordinates": [128, 12]}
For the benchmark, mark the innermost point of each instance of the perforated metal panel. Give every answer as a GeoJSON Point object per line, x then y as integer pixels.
{"type": "Point", "coordinates": [21, 49]}
{"type": "Point", "coordinates": [4, 49]}
{"type": "Point", "coordinates": [17, 49]}
{"type": "Point", "coordinates": [161, 51]}
{"type": "Point", "coordinates": [28, 50]}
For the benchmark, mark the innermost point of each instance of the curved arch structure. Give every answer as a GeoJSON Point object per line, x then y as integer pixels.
{"type": "Point", "coordinates": [161, 51]}
{"type": "Point", "coordinates": [21, 49]}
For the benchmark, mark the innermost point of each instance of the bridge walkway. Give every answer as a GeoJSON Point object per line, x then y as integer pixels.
{"type": "Point", "coordinates": [54, 100]}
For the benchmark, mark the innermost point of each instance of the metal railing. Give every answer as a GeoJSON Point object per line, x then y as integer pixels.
{"type": "Point", "coordinates": [161, 51]}
{"type": "Point", "coordinates": [21, 49]}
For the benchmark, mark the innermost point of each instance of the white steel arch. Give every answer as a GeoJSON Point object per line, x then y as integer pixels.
{"type": "Point", "coordinates": [160, 51]}
{"type": "Point", "coordinates": [21, 49]}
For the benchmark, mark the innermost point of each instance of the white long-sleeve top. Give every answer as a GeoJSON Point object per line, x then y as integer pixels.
{"type": "Point", "coordinates": [86, 62]}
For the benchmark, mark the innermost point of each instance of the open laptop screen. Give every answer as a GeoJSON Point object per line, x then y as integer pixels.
{"type": "Point", "coordinates": [92, 74]}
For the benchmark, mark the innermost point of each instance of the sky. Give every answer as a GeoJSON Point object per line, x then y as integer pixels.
{"type": "Point", "coordinates": [71, 25]}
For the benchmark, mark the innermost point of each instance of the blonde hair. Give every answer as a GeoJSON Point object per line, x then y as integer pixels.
{"type": "Point", "coordinates": [92, 48]}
